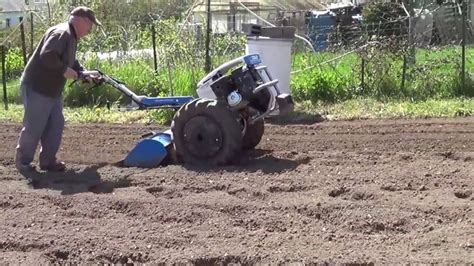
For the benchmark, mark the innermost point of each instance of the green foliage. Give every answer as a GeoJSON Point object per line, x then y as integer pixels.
{"type": "Point", "coordinates": [316, 84]}
{"type": "Point", "coordinates": [387, 18]}
{"type": "Point", "coordinates": [435, 75]}
{"type": "Point", "coordinates": [14, 63]}
{"type": "Point", "coordinates": [351, 109]}
{"type": "Point", "coordinates": [367, 108]}
{"type": "Point", "coordinates": [224, 44]}
{"type": "Point", "coordinates": [181, 59]}
{"type": "Point", "coordinates": [382, 76]}
{"type": "Point", "coordinates": [136, 74]}
{"type": "Point", "coordinates": [139, 77]}
{"type": "Point", "coordinates": [13, 91]}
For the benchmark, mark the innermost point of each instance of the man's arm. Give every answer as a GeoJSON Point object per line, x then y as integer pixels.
{"type": "Point", "coordinates": [77, 66]}
{"type": "Point", "coordinates": [51, 52]}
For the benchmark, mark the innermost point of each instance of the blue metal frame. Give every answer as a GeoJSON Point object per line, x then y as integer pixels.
{"type": "Point", "coordinates": [154, 102]}
{"type": "Point", "coordinates": [252, 59]}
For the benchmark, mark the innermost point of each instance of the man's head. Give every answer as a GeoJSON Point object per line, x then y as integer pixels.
{"type": "Point", "coordinates": [83, 18]}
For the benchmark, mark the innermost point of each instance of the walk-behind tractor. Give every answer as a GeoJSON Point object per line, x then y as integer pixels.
{"type": "Point", "coordinates": [228, 116]}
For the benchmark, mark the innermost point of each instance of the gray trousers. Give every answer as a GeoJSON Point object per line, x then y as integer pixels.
{"type": "Point", "coordinates": [43, 123]}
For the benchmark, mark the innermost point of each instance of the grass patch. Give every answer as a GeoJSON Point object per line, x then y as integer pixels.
{"type": "Point", "coordinates": [13, 114]}
{"type": "Point", "coordinates": [305, 111]}
{"type": "Point", "coordinates": [96, 115]}
{"type": "Point", "coordinates": [370, 108]}
{"type": "Point", "coordinates": [13, 91]}
{"type": "Point", "coordinates": [372, 74]}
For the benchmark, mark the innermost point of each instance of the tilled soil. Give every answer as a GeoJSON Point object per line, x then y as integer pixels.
{"type": "Point", "coordinates": [375, 191]}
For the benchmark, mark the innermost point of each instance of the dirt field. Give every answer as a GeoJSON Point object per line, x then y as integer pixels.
{"type": "Point", "coordinates": [373, 191]}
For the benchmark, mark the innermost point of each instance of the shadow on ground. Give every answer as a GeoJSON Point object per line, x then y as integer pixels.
{"type": "Point", "coordinates": [73, 181]}
{"type": "Point", "coordinates": [295, 118]}
{"type": "Point", "coordinates": [253, 161]}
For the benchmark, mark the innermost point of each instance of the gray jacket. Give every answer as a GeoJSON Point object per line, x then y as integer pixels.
{"type": "Point", "coordinates": [55, 52]}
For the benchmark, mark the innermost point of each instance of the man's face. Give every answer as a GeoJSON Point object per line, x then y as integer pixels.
{"type": "Point", "coordinates": [85, 27]}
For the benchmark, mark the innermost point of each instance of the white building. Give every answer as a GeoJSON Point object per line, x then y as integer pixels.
{"type": "Point", "coordinates": [228, 15]}
{"type": "Point", "coordinates": [12, 10]}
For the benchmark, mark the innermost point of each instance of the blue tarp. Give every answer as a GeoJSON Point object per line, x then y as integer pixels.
{"type": "Point", "coordinates": [319, 27]}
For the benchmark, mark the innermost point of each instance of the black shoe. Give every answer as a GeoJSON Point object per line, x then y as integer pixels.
{"type": "Point", "coordinates": [29, 167]}
{"type": "Point", "coordinates": [56, 167]}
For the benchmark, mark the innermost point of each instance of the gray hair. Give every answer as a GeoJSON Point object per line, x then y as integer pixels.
{"type": "Point", "coordinates": [72, 18]}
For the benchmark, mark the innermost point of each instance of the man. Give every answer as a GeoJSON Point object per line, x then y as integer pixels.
{"type": "Point", "coordinates": [42, 84]}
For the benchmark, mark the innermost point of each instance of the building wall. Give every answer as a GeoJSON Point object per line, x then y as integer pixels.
{"type": "Point", "coordinates": [11, 18]}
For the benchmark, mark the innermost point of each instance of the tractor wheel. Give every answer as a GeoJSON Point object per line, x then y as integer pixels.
{"type": "Point", "coordinates": [206, 133]}
{"type": "Point", "coordinates": [253, 134]}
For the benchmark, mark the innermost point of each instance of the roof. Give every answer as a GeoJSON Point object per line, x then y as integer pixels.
{"type": "Point", "coordinates": [295, 4]}
{"type": "Point", "coordinates": [286, 5]}
{"type": "Point", "coordinates": [12, 5]}
{"type": "Point", "coordinates": [340, 5]}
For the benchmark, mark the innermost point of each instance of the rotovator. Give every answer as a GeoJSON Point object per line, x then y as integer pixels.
{"type": "Point", "coordinates": [228, 116]}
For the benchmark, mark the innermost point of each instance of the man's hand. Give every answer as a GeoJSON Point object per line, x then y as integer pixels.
{"type": "Point", "coordinates": [93, 79]}
{"type": "Point", "coordinates": [70, 73]}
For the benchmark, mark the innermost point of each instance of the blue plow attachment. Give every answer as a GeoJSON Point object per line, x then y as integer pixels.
{"type": "Point", "coordinates": [150, 152]}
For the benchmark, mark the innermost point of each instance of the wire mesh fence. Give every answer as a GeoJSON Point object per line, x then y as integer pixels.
{"type": "Point", "coordinates": [397, 55]}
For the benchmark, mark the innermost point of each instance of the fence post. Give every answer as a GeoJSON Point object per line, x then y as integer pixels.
{"type": "Point", "coordinates": [170, 78]}
{"type": "Point", "coordinates": [23, 40]}
{"type": "Point", "coordinates": [32, 34]}
{"type": "Point", "coordinates": [4, 76]}
{"type": "Point", "coordinates": [463, 53]}
{"type": "Point", "coordinates": [404, 73]}
{"type": "Point", "coordinates": [49, 11]}
{"type": "Point", "coordinates": [153, 40]}
{"type": "Point", "coordinates": [208, 37]}
{"type": "Point", "coordinates": [362, 77]}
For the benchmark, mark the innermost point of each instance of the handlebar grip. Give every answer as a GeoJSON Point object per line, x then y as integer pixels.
{"type": "Point", "coordinates": [90, 73]}
{"type": "Point", "coordinates": [83, 75]}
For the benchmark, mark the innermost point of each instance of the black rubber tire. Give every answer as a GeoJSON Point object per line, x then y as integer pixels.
{"type": "Point", "coordinates": [253, 134]}
{"type": "Point", "coordinates": [206, 133]}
